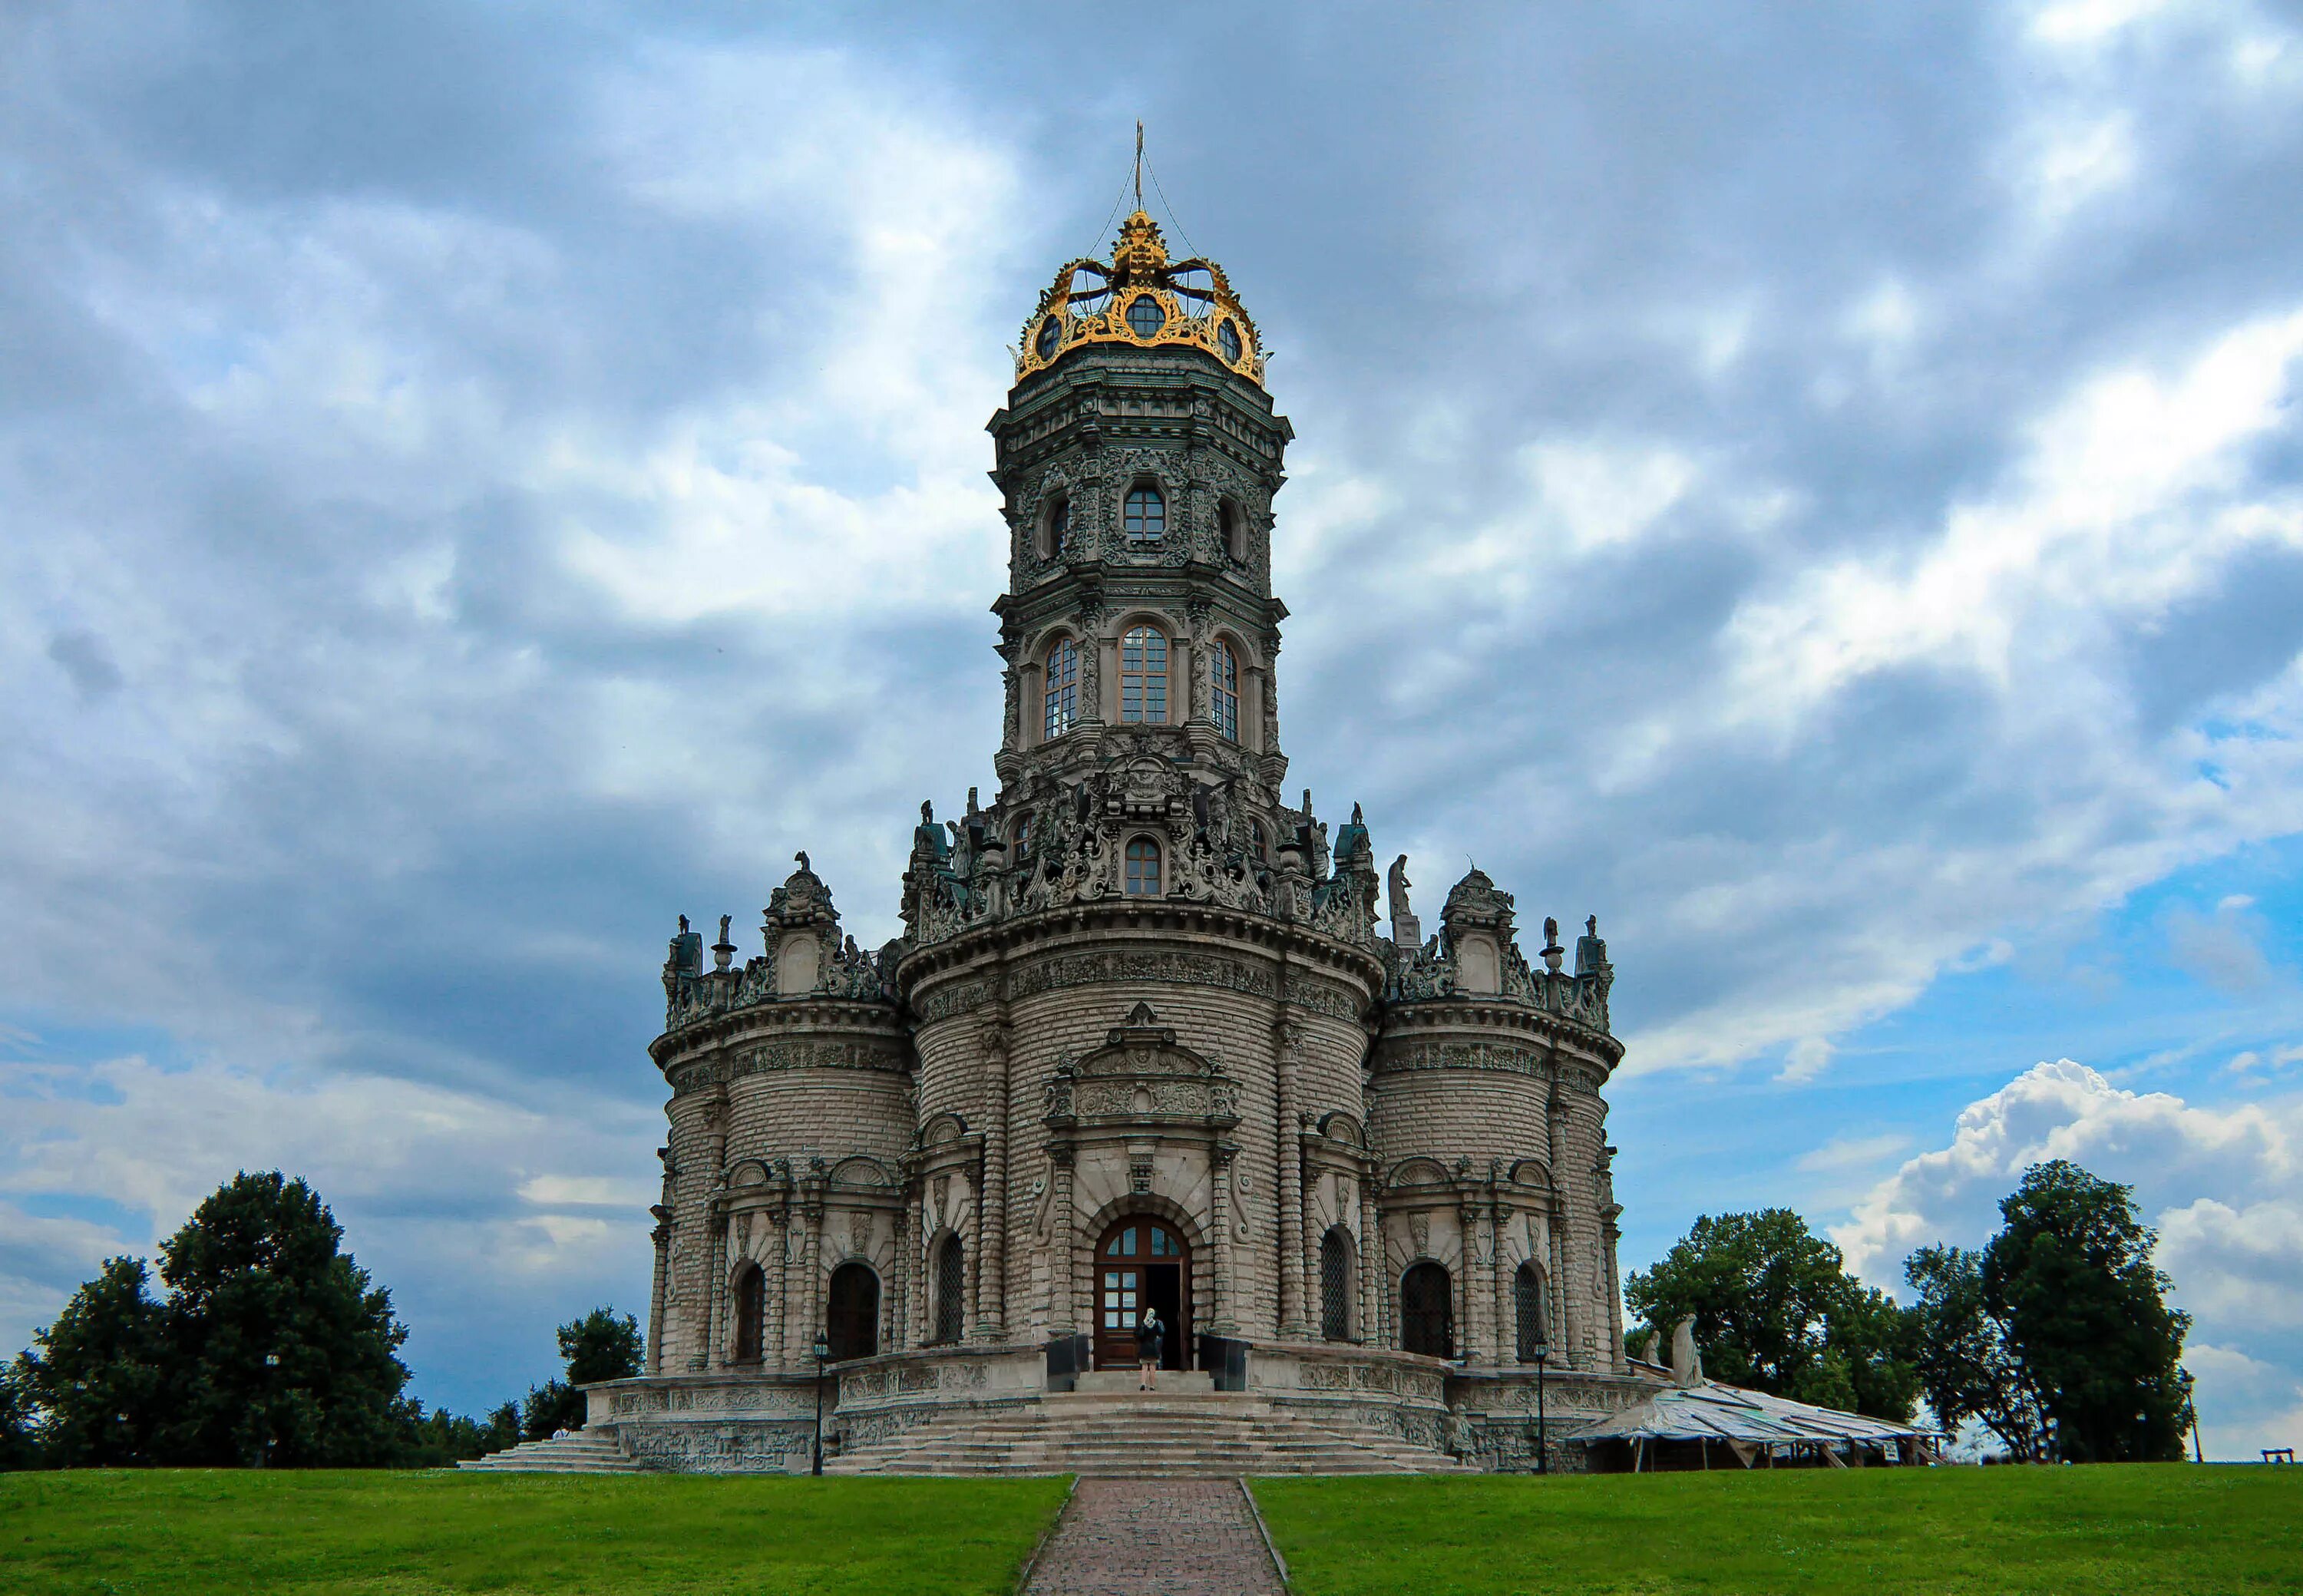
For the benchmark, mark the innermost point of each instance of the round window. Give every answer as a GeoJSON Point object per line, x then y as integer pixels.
{"type": "Point", "coordinates": [1052, 333]}
{"type": "Point", "coordinates": [1227, 340]}
{"type": "Point", "coordinates": [1144, 317]}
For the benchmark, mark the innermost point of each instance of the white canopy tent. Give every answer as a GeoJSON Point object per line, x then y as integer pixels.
{"type": "Point", "coordinates": [1756, 1429]}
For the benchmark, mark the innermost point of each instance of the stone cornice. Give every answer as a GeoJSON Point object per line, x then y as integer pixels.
{"type": "Point", "coordinates": [1054, 928]}
{"type": "Point", "coordinates": [1484, 1018]}
{"type": "Point", "coordinates": [778, 1018]}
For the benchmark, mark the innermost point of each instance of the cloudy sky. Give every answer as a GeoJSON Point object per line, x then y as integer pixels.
{"type": "Point", "coordinates": [1823, 493]}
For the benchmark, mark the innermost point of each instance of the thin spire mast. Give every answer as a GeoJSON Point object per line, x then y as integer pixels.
{"type": "Point", "coordinates": [1139, 162]}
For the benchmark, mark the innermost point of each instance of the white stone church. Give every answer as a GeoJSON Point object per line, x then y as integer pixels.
{"type": "Point", "coordinates": [1145, 1042]}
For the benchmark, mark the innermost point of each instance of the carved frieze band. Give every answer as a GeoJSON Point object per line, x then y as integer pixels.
{"type": "Point", "coordinates": [1463, 1055]}
{"type": "Point", "coordinates": [814, 1054]}
{"type": "Point", "coordinates": [1131, 967]}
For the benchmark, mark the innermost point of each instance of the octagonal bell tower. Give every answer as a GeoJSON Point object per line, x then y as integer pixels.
{"type": "Point", "coordinates": [1138, 460]}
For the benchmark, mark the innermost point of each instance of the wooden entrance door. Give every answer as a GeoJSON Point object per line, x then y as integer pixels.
{"type": "Point", "coordinates": [1140, 1264]}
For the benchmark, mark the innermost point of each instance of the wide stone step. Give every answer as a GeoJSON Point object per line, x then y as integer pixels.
{"type": "Point", "coordinates": [1166, 1434]}
{"type": "Point", "coordinates": [578, 1454]}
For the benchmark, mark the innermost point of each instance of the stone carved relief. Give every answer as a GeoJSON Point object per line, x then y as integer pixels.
{"type": "Point", "coordinates": [1142, 1073]}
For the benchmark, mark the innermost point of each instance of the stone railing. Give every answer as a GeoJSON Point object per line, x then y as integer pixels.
{"type": "Point", "coordinates": [850, 974]}
{"type": "Point", "coordinates": [1429, 974]}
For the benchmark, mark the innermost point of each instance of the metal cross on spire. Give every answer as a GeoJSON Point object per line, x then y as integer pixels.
{"type": "Point", "coordinates": [1139, 162]}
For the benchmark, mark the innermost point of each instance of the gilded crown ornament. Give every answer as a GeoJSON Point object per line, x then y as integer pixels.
{"type": "Point", "coordinates": [1141, 298]}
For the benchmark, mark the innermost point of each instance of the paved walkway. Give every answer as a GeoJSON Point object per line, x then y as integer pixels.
{"type": "Point", "coordinates": [1156, 1538]}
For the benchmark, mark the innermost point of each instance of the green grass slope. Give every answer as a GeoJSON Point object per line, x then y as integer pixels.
{"type": "Point", "coordinates": [193, 1533]}
{"type": "Point", "coordinates": [2138, 1531]}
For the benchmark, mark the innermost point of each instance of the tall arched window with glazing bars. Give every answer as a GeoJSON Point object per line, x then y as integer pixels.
{"type": "Point", "coordinates": [1144, 676]}
{"type": "Point", "coordinates": [1059, 694]}
{"type": "Point", "coordinates": [1223, 677]}
{"type": "Point", "coordinates": [1527, 1302]}
{"type": "Point", "coordinates": [950, 1293]}
{"type": "Point", "coordinates": [751, 1313]}
{"type": "Point", "coordinates": [1335, 1285]}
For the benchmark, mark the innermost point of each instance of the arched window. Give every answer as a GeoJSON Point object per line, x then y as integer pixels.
{"type": "Point", "coordinates": [1145, 520]}
{"type": "Point", "coordinates": [1144, 676]}
{"type": "Point", "coordinates": [1142, 868]}
{"type": "Point", "coordinates": [851, 1311]}
{"type": "Point", "coordinates": [1427, 1319]}
{"type": "Point", "coordinates": [1055, 526]}
{"type": "Point", "coordinates": [1335, 1284]}
{"type": "Point", "coordinates": [1223, 679]}
{"type": "Point", "coordinates": [1059, 694]}
{"type": "Point", "coordinates": [1527, 1298]}
{"type": "Point", "coordinates": [950, 1292]}
{"type": "Point", "coordinates": [1023, 836]}
{"type": "Point", "coordinates": [751, 1313]}
{"type": "Point", "coordinates": [1231, 530]}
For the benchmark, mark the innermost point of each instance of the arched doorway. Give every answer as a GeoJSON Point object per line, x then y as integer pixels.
{"type": "Point", "coordinates": [1427, 1319]}
{"type": "Point", "coordinates": [851, 1313]}
{"type": "Point", "coordinates": [1142, 1262]}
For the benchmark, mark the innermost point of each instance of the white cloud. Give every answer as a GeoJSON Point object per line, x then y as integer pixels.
{"type": "Point", "coordinates": [2123, 503]}
{"type": "Point", "coordinates": [2223, 1186]}
{"type": "Point", "coordinates": [1809, 1058]}
{"type": "Point", "coordinates": [432, 1186]}
{"type": "Point", "coordinates": [1603, 493]}
{"type": "Point", "coordinates": [1842, 1155]}
{"type": "Point", "coordinates": [2088, 21]}
{"type": "Point", "coordinates": [2224, 948]}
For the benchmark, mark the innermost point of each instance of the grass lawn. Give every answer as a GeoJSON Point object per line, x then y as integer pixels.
{"type": "Point", "coordinates": [190, 1532]}
{"type": "Point", "coordinates": [2135, 1530]}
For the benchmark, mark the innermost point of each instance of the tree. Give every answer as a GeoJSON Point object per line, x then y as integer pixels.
{"type": "Point", "coordinates": [287, 1354]}
{"type": "Point", "coordinates": [551, 1407]}
{"type": "Point", "coordinates": [2085, 1311]}
{"type": "Point", "coordinates": [98, 1378]}
{"type": "Point", "coordinates": [1777, 1311]}
{"type": "Point", "coordinates": [602, 1344]}
{"type": "Point", "coordinates": [438, 1440]}
{"type": "Point", "coordinates": [19, 1441]}
{"type": "Point", "coordinates": [1965, 1366]}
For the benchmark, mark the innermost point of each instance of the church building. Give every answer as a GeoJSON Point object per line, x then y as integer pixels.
{"type": "Point", "coordinates": [1145, 1042]}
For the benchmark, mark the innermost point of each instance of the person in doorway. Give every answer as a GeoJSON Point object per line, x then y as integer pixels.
{"type": "Point", "coordinates": [1149, 1333]}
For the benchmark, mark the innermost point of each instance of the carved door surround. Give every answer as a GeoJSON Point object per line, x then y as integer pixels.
{"type": "Point", "coordinates": [1140, 1094]}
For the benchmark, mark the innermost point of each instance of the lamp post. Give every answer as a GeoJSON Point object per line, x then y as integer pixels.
{"type": "Point", "coordinates": [822, 1351]}
{"type": "Point", "coordinates": [1542, 1439]}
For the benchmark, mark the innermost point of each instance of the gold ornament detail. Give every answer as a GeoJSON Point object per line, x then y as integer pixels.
{"type": "Point", "coordinates": [1141, 298]}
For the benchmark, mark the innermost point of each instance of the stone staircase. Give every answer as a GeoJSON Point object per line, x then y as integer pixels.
{"type": "Point", "coordinates": [580, 1452]}
{"type": "Point", "coordinates": [1177, 1431]}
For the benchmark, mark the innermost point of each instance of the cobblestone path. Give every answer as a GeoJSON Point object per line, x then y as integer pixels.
{"type": "Point", "coordinates": [1156, 1538]}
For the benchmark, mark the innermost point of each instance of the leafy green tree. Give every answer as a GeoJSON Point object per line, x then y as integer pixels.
{"type": "Point", "coordinates": [602, 1344]}
{"type": "Point", "coordinates": [1967, 1369]}
{"type": "Point", "coordinates": [19, 1441]}
{"type": "Point", "coordinates": [2069, 1278]}
{"type": "Point", "coordinates": [286, 1353]}
{"type": "Point", "coordinates": [1777, 1311]}
{"type": "Point", "coordinates": [551, 1407]}
{"type": "Point", "coordinates": [98, 1379]}
{"type": "Point", "coordinates": [438, 1440]}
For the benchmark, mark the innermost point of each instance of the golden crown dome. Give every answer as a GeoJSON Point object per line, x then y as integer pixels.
{"type": "Point", "coordinates": [1141, 298]}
